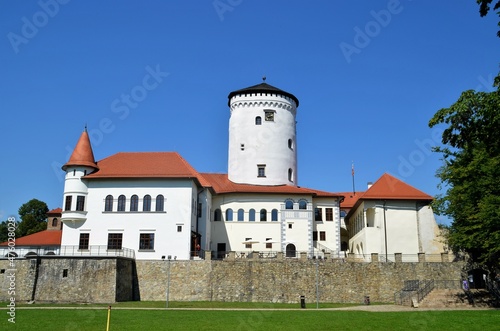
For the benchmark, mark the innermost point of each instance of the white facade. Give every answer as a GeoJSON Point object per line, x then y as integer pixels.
{"type": "Point", "coordinates": [262, 139]}
{"type": "Point", "coordinates": [393, 226]}
{"type": "Point", "coordinates": [170, 229]}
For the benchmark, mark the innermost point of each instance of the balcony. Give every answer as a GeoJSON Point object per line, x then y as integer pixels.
{"type": "Point", "coordinates": [73, 216]}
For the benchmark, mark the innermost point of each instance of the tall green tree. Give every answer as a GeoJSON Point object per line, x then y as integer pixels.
{"type": "Point", "coordinates": [471, 174]}
{"type": "Point", "coordinates": [33, 216]}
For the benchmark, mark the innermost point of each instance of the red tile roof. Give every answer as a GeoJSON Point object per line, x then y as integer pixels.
{"type": "Point", "coordinates": [350, 199]}
{"type": "Point", "coordinates": [54, 211]}
{"type": "Point", "coordinates": [42, 238]}
{"type": "Point", "coordinates": [387, 187]}
{"type": "Point", "coordinates": [146, 165]}
{"type": "Point", "coordinates": [390, 188]}
{"type": "Point", "coordinates": [221, 184]}
{"type": "Point", "coordinates": [82, 154]}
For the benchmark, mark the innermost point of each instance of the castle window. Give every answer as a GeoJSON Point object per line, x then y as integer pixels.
{"type": "Point", "coordinates": [263, 215]}
{"type": "Point", "coordinates": [242, 147]}
{"type": "Point", "coordinates": [80, 203]}
{"type": "Point", "coordinates": [146, 241]}
{"type": "Point", "coordinates": [269, 115]}
{"type": "Point", "coordinates": [329, 214]}
{"type": "Point", "coordinates": [54, 222]}
{"type": "Point", "coordinates": [248, 244]}
{"type": "Point", "coordinates": [121, 203]}
{"type": "Point", "coordinates": [134, 203]}
{"type": "Point", "coordinates": [261, 170]}
{"type": "Point", "coordinates": [67, 204]}
{"type": "Point", "coordinates": [315, 235]}
{"type": "Point", "coordinates": [241, 215]}
{"type": "Point", "coordinates": [146, 203]}
{"type": "Point", "coordinates": [322, 235]}
{"type": "Point", "coordinates": [290, 143]}
{"type": "Point", "coordinates": [251, 215]}
{"type": "Point", "coordinates": [74, 172]}
{"type": "Point", "coordinates": [108, 203]}
{"type": "Point", "coordinates": [65, 273]}
{"type": "Point", "coordinates": [229, 215]}
{"type": "Point", "coordinates": [274, 215]}
{"type": "Point", "coordinates": [179, 228]}
{"type": "Point", "coordinates": [290, 225]}
{"type": "Point", "coordinates": [160, 202]}
{"type": "Point", "coordinates": [288, 204]}
{"type": "Point", "coordinates": [303, 204]}
{"type": "Point", "coordinates": [217, 215]}
{"type": "Point", "coordinates": [115, 240]}
{"type": "Point", "coordinates": [268, 243]}
{"type": "Point", "coordinates": [84, 241]}
{"type": "Point", "coordinates": [318, 214]}
{"type": "Point", "coordinates": [258, 120]}
{"type": "Point", "coordinates": [290, 175]}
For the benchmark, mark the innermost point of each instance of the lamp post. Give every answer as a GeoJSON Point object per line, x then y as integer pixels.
{"type": "Point", "coordinates": [168, 277]}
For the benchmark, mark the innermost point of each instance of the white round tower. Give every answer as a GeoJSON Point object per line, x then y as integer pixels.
{"type": "Point", "coordinates": [262, 136]}
{"type": "Point", "coordinates": [80, 164]}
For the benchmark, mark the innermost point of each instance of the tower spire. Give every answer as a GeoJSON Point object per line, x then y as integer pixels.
{"type": "Point", "coordinates": [82, 154]}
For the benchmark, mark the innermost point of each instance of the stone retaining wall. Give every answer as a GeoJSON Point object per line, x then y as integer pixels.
{"type": "Point", "coordinates": [106, 280]}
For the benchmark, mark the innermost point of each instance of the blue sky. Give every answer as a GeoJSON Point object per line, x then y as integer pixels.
{"type": "Point", "coordinates": [155, 75]}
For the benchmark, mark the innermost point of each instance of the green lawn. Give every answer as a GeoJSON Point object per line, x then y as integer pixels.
{"type": "Point", "coordinates": [308, 319]}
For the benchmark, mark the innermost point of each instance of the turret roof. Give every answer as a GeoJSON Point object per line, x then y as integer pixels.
{"type": "Point", "coordinates": [82, 154]}
{"type": "Point", "coordinates": [262, 88]}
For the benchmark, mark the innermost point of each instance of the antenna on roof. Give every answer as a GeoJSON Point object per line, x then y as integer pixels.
{"type": "Point", "coordinates": [85, 127]}
{"type": "Point", "coordinates": [264, 79]}
{"type": "Point", "coordinates": [352, 172]}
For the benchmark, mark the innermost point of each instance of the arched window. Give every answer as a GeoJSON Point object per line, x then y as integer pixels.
{"type": "Point", "coordinates": [241, 215]}
{"type": "Point", "coordinates": [146, 203]}
{"type": "Point", "coordinates": [217, 215]}
{"type": "Point", "coordinates": [274, 215]}
{"type": "Point", "coordinates": [290, 250]}
{"type": "Point", "coordinates": [121, 203]}
{"type": "Point", "coordinates": [290, 175]}
{"type": "Point", "coordinates": [302, 204]}
{"type": "Point", "coordinates": [289, 204]}
{"type": "Point", "coordinates": [251, 215]}
{"type": "Point", "coordinates": [263, 215]}
{"type": "Point", "coordinates": [160, 203]}
{"type": "Point", "coordinates": [134, 203]}
{"type": "Point", "coordinates": [229, 215]}
{"type": "Point", "coordinates": [258, 120]}
{"type": "Point", "coordinates": [54, 222]}
{"type": "Point", "coordinates": [108, 205]}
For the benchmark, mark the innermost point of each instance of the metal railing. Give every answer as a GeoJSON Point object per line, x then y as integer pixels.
{"type": "Point", "coordinates": [96, 250]}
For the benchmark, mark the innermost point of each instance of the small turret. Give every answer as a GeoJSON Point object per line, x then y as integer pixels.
{"type": "Point", "coordinates": [80, 164]}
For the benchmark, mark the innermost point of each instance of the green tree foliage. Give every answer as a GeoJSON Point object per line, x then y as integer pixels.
{"type": "Point", "coordinates": [485, 6]}
{"type": "Point", "coordinates": [33, 217]}
{"type": "Point", "coordinates": [471, 174]}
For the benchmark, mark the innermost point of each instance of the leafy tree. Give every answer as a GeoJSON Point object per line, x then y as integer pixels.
{"type": "Point", "coordinates": [33, 217]}
{"type": "Point", "coordinates": [471, 174]}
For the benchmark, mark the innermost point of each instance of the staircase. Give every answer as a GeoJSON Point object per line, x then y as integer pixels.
{"type": "Point", "coordinates": [446, 298]}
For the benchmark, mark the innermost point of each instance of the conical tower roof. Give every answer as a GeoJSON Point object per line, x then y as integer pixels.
{"type": "Point", "coordinates": [82, 154]}
{"type": "Point", "coordinates": [263, 88]}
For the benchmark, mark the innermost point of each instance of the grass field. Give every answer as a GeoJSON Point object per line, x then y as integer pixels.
{"type": "Point", "coordinates": [55, 319]}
